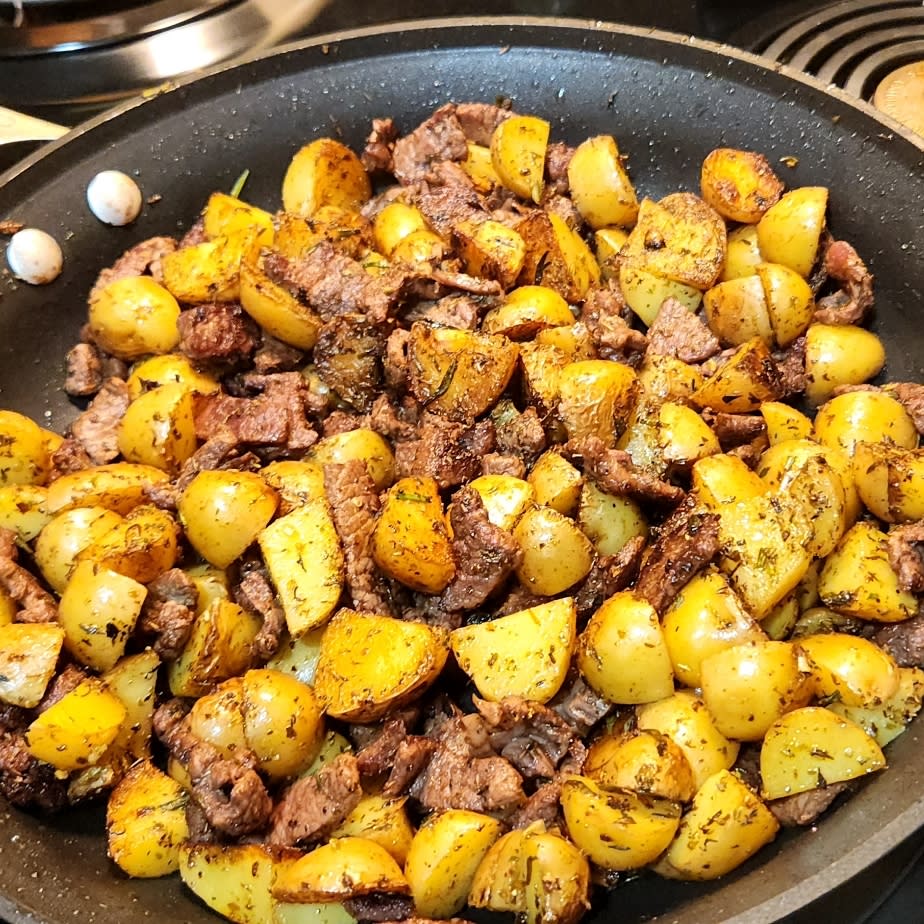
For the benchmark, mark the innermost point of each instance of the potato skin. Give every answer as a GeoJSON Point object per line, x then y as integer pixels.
{"type": "Point", "coordinates": [739, 185]}
{"type": "Point", "coordinates": [370, 665]}
{"type": "Point", "coordinates": [324, 172]}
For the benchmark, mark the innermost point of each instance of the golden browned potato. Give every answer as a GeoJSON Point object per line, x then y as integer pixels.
{"type": "Point", "coordinates": [490, 249]}
{"type": "Point", "coordinates": [305, 560]}
{"type": "Point", "coordinates": [24, 457]}
{"type": "Point", "coordinates": [479, 165]}
{"type": "Point", "coordinates": [739, 185]}
{"type": "Point", "coordinates": [858, 580]}
{"type": "Point", "coordinates": [534, 873]}
{"type": "Point", "coordinates": [142, 545]}
{"type": "Point", "coordinates": [443, 857]}
{"type": "Point", "coordinates": [23, 510]}
{"type": "Point", "coordinates": [98, 611]}
{"type": "Point", "coordinates": [622, 653]}
{"type": "Point", "coordinates": [371, 665]}
{"type": "Point", "coordinates": [135, 316]}
{"type": "Point", "coordinates": [557, 483]}
{"type": "Point", "coordinates": [28, 658]}
{"type": "Point", "coordinates": [384, 821]}
{"type": "Point", "coordinates": [556, 554]}
{"type": "Point", "coordinates": [790, 230]}
{"type": "Point", "coordinates": [736, 311]}
{"type": "Point", "coordinates": [726, 825]}
{"type": "Point", "coordinates": [680, 238]}
{"type": "Point", "coordinates": [890, 481]}
{"type": "Point", "coordinates": [411, 538]}
{"type": "Point", "coordinates": [617, 829]}
{"type": "Point", "coordinates": [394, 223]}
{"type": "Point", "coordinates": [458, 373]}
{"type": "Point", "coordinates": [853, 670]}
{"type": "Point", "coordinates": [888, 720]}
{"type": "Point", "coordinates": [706, 617]}
{"type": "Point", "coordinates": [233, 879]}
{"type": "Point", "coordinates": [556, 256]}
{"type": "Point", "coordinates": [747, 380]}
{"type": "Point", "coordinates": [220, 646]}
{"type": "Point", "coordinates": [210, 271]}
{"type": "Point", "coordinates": [146, 822]}
{"type": "Point", "coordinates": [526, 311]}
{"type": "Point", "coordinates": [600, 187]}
{"type": "Point", "coordinates": [742, 254]}
{"type": "Point", "coordinates": [166, 369]}
{"type": "Point", "coordinates": [684, 718]}
{"type": "Point", "coordinates": [505, 498]}
{"type": "Point", "coordinates": [361, 444]}
{"type": "Point", "coordinates": [223, 512]}
{"type": "Point", "coordinates": [809, 747]}
{"type": "Point", "coordinates": [748, 687]}
{"type": "Point", "coordinates": [524, 654]}
{"type": "Point", "coordinates": [119, 487]}
{"type": "Point", "coordinates": [725, 479]}
{"type": "Point", "coordinates": [868, 416]}
{"type": "Point", "coordinates": [841, 354]}
{"type": "Point", "coordinates": [645, 291]}
{"type": "Point", "coordinates": [518, 148]}
{"type": "Point", "coordinates": [273, 307]}
{"type": "Point", "coordinates": [75, 731]}
{"type": "Point", "coordinates": [643, 761]}
{"type": "Point", "coordinates": [596, 397]}
{"type": "Point", "coordinates": [224, 214]}
{"type": "Point", "coordinates": [324, 172]}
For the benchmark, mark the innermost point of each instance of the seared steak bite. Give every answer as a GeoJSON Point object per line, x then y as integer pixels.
{"type": "Point", "coordinates": [97, 428]}
{"type": "Point", "coordinates": [169, 611]}
{"type": "Point", "coordinates": [35, 603]}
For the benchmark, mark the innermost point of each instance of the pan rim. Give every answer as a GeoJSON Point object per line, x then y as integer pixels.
{"type": "Point", "coordinates": [450, 24]}
{"type": "Point", "coordinates": [882, 839]}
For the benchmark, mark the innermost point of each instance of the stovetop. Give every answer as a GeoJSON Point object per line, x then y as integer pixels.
{"type": "Point", "coordinates": [851, 43]}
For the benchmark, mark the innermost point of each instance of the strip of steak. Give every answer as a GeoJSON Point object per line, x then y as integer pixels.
{"type": "Point", "coordinates": [687, 542]}
{"type": "Point", "coordinates": [255, 593]}
{"type": "Point", "coordinates": [911, 396]}
{"type": "Point", "coordinates": [84, 370]}
{"type": "Point", "coordinates": [543, 805]}
{"type": "Point", "coordinates": [580, 706]}
{"type": "Point", "coordinates": [449, 452]}
{"type": "Point", "coordinates": [485, 554]}
{"type": "Point", "coordinates": [904, 641]}
{"type": "Point", "coordinates": [906, 555]}
{"type": "Point", "coordinates": [604, 313]}
{"type": "Point", "coordinates": [791, 365]}
{"type": "Point", "coordinates": [332, 283]}
{"type": "Point", "coordinates": [218, 334]}
{"type": "Point", "coordinates": [465, 773]}
{"type": "Point", "coordinates": [377, 154]}
{"type": "Point", "coordinates": [614, 472]}
{"type": "Point", "coordinates": [229, 792]}
{"type": "Point", "coordinates": [355, 503]}
{"type": "Point", "coordinates": [24, 780]}
{"type": "Point", "coordinates": [676, 331]}
{"type": "Point", "coordinates": [521, 434]}
{"type": "Point", "coordinates": [348, 358]}
{"type": "Point", "coordinates": [97, 428]}
{"type": "Point", "coordinates": [36, 604]}
{"type": "Point", "coordinates": [608, 575]}
{"type": "Point", "coordinates": [313, 806]}
{"type": "Point", "coordinates": [169, 612]}
{"type": "Point", "coordinates": [534, 738]}
{"type": "Point", "coordinates": [804, 808]}
{"type": "Point", "coordinates": [852, 304]}
{"type": "Point", "coordinates": [440, 137]}
{"type": "Point", "coordinates": [380, 906]}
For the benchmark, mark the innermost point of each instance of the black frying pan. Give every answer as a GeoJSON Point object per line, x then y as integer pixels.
{"type": "Point", "coordinates": [668, 100]}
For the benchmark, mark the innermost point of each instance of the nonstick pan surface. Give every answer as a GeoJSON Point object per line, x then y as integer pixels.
{"type": "Point", "coordinates": [668, 100]}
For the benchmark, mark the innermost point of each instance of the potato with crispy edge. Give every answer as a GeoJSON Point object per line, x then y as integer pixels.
{"type": "Point", "coordinates": [28, 658]}
{"type": "Point", "coordinates": [343, 868]}
{"type": "Point", "coordinates": [119, 487]}
{"type": "Point", "coordinates": [596, 397]}
{"type": "Point", "coordinates": [98, 611]}
{"type": "Point", "coordinates": [600, 187]}
{"type": "Point", "coordinates": [209, 271]}
{"type": "Point", "coordinates": [679, 237]}
{"type": "Point", "coordinates": [744, 383]}
{"type": "Point", "coordinates": [726, 825]}
{"type": "Point", "coordinates": [370, 665]}
{"type": "Point", "coordinates": [518, 147]}
{"type": "Point", "coordinates": [523, 654]}
{"type": "Point", "coordinates": [490, 249]}
{"type": "Point", "coordinates": [556, 256]}
{"type": "Point", "coordinates": [443, 858]}
{"type": "Point", "coordinates": [617, 829]}
{"type": "Point", "coordinates": [411, 542]}
{"type": "Point", "coordinates": [739, 185]}
{"type": "Point", "coordinates": [146, 822]}
{"type": "Point", "coordinates": [383, 820]}
{"type": "Point", "coordinates": [526, 311]}
{"type": "Point", "coordinates": [458, 373]}
{"type": "Point", "coordinates": [324, 172]}
{"type": "Point", "coordinates": [809, 747]}
{"type": "Point", "coordinates": [890, 481]}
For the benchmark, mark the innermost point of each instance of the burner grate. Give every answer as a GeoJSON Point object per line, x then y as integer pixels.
{"type": "Point", "coordinates": [852, 44]}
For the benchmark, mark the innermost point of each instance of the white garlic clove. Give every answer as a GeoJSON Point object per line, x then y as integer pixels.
{"type": "Point", "coordinates": [34, 256]}
{"type": "Point", "coordinates": [114, 198]}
